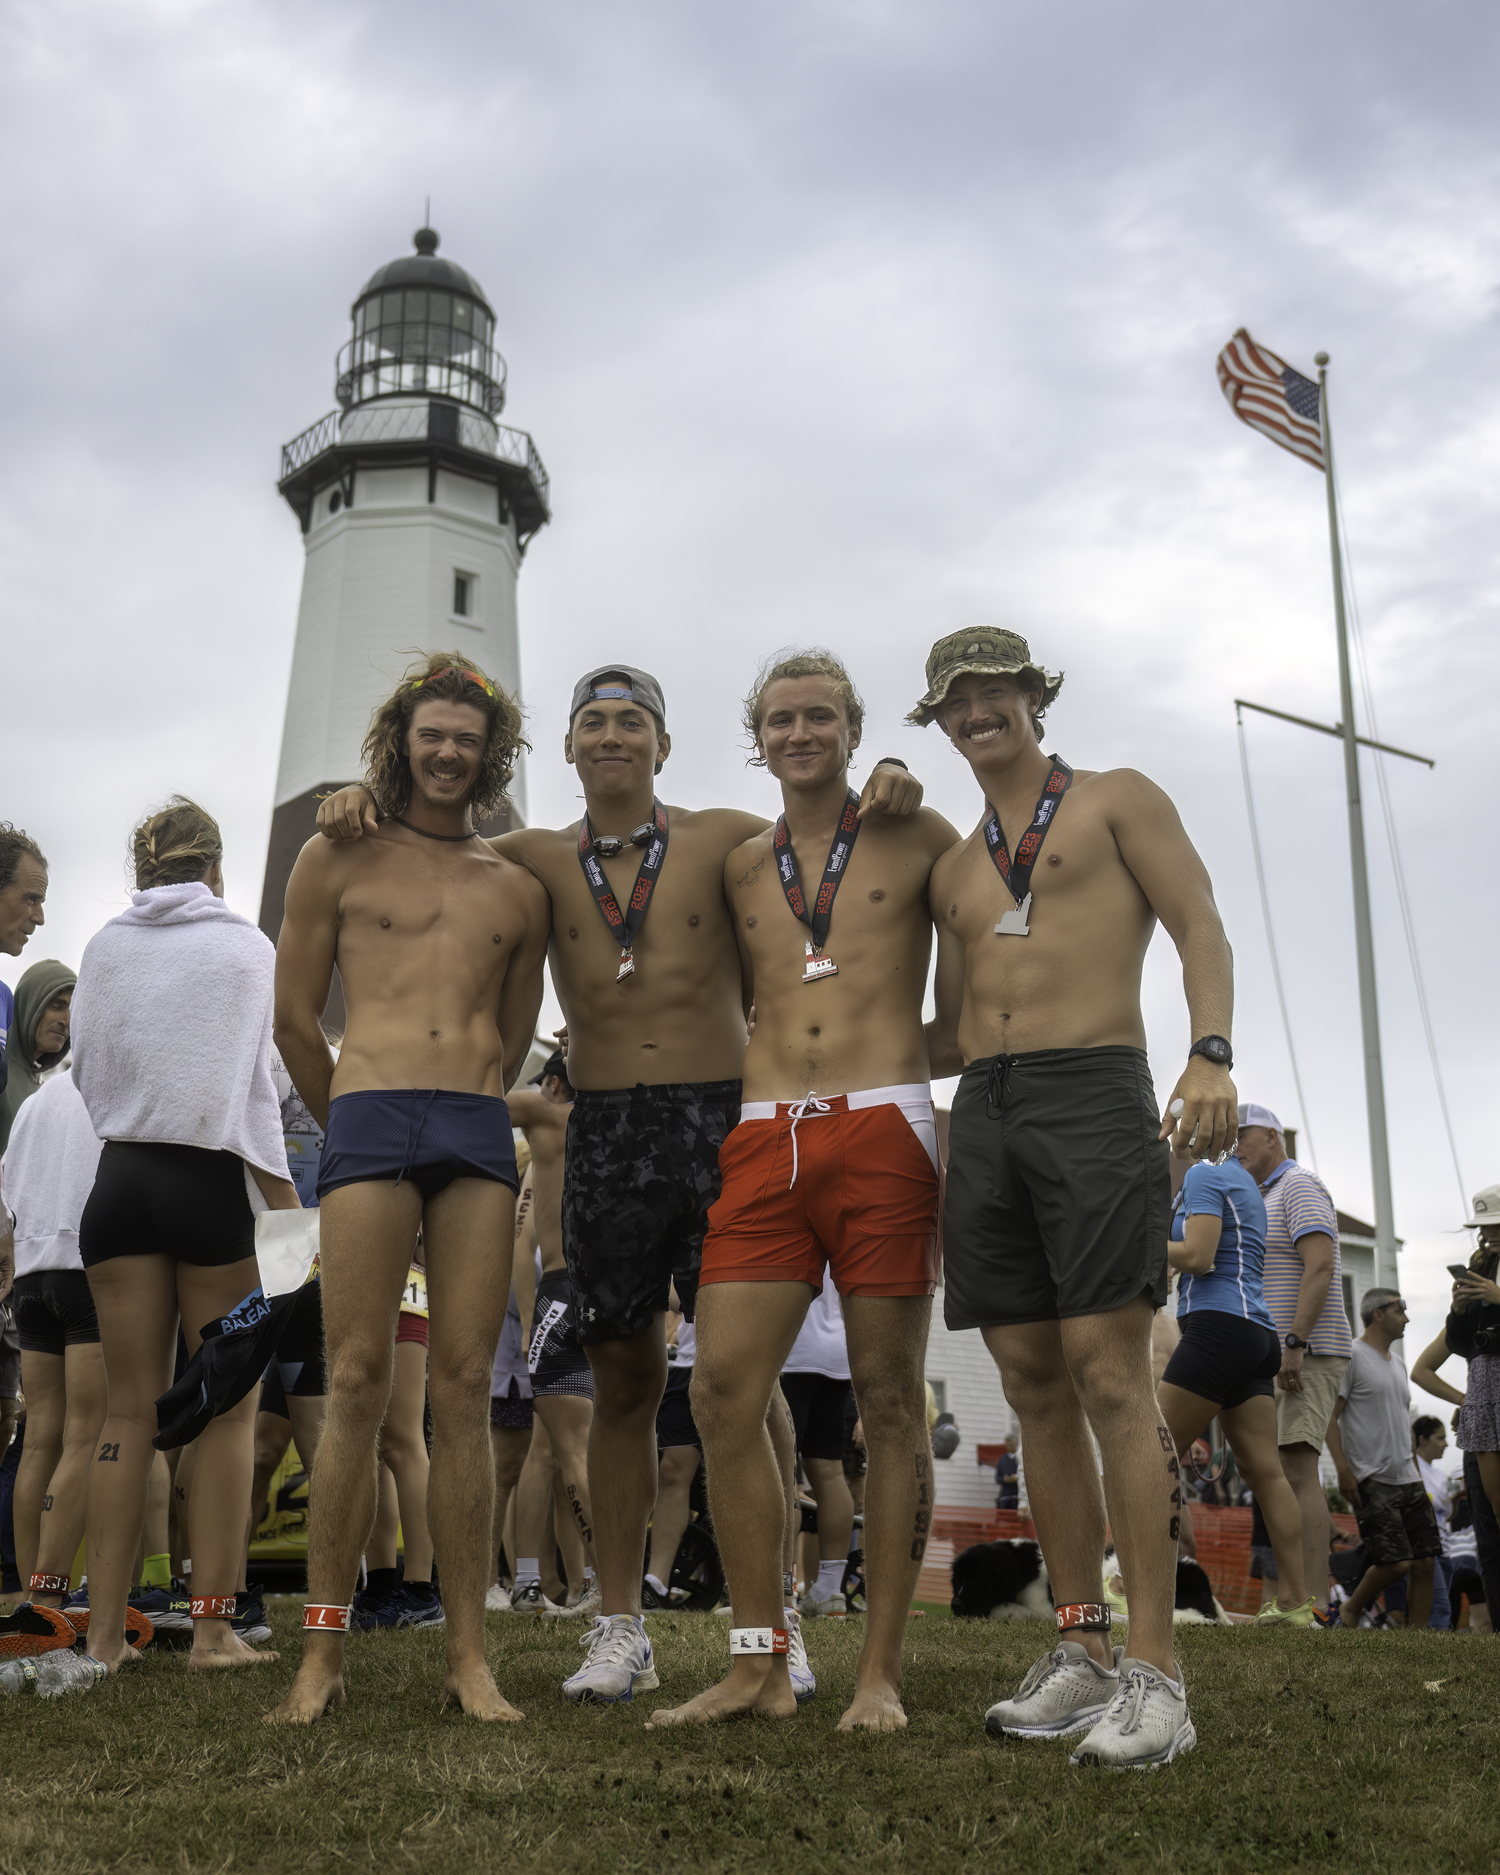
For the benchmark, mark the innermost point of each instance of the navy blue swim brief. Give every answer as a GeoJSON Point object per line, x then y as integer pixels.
{"type": "Point", "coordinates": [422, 1135]}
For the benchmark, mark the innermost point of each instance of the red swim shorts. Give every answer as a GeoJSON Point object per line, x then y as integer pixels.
{"type": "Point", "coordinates": [411, 1328]}
{"type": "Point", "coordinates": [824, 1181]}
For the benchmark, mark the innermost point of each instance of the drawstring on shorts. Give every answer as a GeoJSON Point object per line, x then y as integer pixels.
{"type": "Point", "coordinates": [413, 1142]}
{"type": "Point", "coordinates": [799, 1110]}
{"type": "Point", "coordinates": [997, 1084]}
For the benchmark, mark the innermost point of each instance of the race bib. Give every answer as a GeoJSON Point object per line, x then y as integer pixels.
{"type": "Point", "coordinates": [414, 1295]}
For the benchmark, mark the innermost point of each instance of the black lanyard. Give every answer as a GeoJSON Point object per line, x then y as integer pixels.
{"type": "Point", "coordinates": [838, 858]}
{"type": "Point", "coordinates": [623, 926]}
{"type": "Point", "coordinates": [1017, 872]}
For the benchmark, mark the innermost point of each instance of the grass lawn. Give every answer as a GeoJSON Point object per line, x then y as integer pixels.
{"type": "Point", "coordinates": [1316, 1751]}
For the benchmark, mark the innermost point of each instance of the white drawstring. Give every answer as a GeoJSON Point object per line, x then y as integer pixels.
{"type": "Point", "coordinates": [799, 1110]}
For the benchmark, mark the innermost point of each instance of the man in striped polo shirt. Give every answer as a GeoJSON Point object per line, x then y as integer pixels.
{"type": "Point", "coordinates": [1305, 1294]}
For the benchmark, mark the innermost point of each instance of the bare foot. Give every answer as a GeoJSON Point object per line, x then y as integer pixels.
{"type": "Point", "coordinates": [317, 1689]}
{"type": "Point", "coordinates": [874, 1709]}
{"type": "Point", "coordinates": [127, 1656]}
{"type": "Point", "coordinates": [772, 1697]}
{"type": "Point", "coordinates": [473, 1690]}
{"type": "Point", "coordinates": [209, 1659]}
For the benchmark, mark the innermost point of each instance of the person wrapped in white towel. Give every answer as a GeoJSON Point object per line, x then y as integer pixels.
{"type": "Point", "coordinates": [171, 1053]}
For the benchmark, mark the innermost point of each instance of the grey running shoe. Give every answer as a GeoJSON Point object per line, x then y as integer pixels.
{"type": "Point", "coordinates": [587, 1606]}
{"type": "Point", "coordinates": [804, 1685]}
{"type": "Point", "coordinates": [814, 1604]}
{"type": "Point", "coordinates": [619, 1662]}
{"type": "Point", "coordinates": [1066, 1691]}
{"type": "Point", "coordinates": [1146, 1724]}
{"type": "Point", "coordinates": [529, 1600]}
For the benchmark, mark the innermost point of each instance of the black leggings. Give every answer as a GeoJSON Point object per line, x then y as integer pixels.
{"type": "Point", "coordinates": [178, 1201]}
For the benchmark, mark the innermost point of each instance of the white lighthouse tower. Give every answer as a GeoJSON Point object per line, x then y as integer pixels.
{"type": "Point", "coordinates": [416, 507]}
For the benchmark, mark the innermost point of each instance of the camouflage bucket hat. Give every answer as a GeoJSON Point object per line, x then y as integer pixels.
{"type": "Point", "coordinates": [987, 651]}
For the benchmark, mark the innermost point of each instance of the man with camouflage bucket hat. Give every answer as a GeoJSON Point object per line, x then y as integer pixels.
{"type": "Point", "coordinates": [1056, 1215]}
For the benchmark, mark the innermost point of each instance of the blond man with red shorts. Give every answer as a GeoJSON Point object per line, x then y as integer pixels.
{"type": "Point", "coordinates": [834, 1162]}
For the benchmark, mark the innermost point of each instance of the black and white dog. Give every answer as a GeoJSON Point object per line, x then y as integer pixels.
{"type": "Point", "coordinates": [1007, 1581]}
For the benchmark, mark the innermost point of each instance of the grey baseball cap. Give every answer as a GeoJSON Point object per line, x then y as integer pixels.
{"type": "Point", "coordinates": [639, 685]}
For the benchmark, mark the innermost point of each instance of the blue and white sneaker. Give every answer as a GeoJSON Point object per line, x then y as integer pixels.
{"type": "Point", "coordinates": [804, 1684]}
{"type": "Point", "coordinates": [619, 1662]}
{"type": "Point", "coordinates": [420, 1611]}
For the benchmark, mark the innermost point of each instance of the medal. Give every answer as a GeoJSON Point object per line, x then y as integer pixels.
{"type": "Point", "coordinates": [623, 925]}
{"type": "Point", "coordinates": [847, 831]}
{"type": "Point", "coordinates": [1017, 872]}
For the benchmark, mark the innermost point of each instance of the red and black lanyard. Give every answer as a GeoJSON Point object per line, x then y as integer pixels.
{"type": "Point", "coordinates": [623, 926]}
{"type": "Point", "coordinates": [1017, 872]}
{"type": "Point", "coordinates": [844, 837]}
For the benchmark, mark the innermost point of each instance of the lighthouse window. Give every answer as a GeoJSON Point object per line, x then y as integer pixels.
{"type": "Point", "coordinates": [463, 594]}
{"type": "Point", "coordinates": [463, 314]}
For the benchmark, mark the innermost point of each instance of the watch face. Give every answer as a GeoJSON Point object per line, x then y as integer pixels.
{"type": "Point", "coordinates": [1215, 1047]}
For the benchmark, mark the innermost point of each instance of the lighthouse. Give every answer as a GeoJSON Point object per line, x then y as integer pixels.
{"type": "Point", "coordinates": [416, 507]}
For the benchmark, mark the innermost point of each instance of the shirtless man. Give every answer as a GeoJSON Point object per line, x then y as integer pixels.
{"type": "Point", "coordinates": [834, 1161]}
{"type": "Point", "coordinates": [655, 1007]}
{"type": "Point", "coordinates": [439, 942]}
{"type": "Point", "coordinates": [562, 1383]}
{"type": "Point", "coordinates": [1056, 1214]}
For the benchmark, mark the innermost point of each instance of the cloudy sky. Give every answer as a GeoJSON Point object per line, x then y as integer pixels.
{"type": "Point", "coordinates": [835, 321]}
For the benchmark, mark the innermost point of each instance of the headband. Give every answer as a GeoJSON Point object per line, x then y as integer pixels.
{"type": "Point", "coordinates": [452, 670]}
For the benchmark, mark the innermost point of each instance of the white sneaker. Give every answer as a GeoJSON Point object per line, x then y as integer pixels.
{"type": "Point", "coordinates": [529, 1600]}
{"type": "Point", "coordinates": [1065, 1691]}
{"type": "Point", "coordinates": [804, 1685]}
{"type": "Point", "coordinates": [810, 1604]}
{"type": "Point", "coordinates": [587, 1606]}
{"type": "Point", "coordinates": [497, 1599]}
{"type": "Point", "coordinates": [1146, 1723]}
{"type": "Point", "coordinates": [619, 1662]}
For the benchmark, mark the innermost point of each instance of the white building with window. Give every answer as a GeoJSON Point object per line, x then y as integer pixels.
{"type": "Point", "coordinates": [416, 508]}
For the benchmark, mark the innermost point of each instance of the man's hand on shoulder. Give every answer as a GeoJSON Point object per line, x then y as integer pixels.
{"type": "Point", "coordinates": [890, 790]}
{"type": "Point", "coordinates": [347, 814]}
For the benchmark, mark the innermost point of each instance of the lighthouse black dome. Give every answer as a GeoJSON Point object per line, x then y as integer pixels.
{"type": "Point", "coordinates": [425, 269]}
{"type": "Point", "coordinates": [422, 325]}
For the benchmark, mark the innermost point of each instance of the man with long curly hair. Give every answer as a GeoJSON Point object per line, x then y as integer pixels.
{"type": "Point", "coordinates": [439, 941]}
{"type": "Point", "coordinates": [655, 1002]}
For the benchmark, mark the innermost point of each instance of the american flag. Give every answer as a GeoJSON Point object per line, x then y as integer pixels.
{"type": "Point", "coordinates": [1265, 392]}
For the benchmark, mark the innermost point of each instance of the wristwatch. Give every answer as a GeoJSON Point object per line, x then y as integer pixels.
{"type": "Point", "coordinates": [1293, 1341]}
{"type": "Point", "coordinates": [1213, 1048]}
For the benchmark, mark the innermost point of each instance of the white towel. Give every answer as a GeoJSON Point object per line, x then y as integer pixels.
{"type": "Point", "coordinates": [171, 1028]}
{"type": "Point", "coordinates": [48, 1175]}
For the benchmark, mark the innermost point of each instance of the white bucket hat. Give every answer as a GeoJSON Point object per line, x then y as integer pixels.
{"type": "Point", "coordinates": [1486, 1208]}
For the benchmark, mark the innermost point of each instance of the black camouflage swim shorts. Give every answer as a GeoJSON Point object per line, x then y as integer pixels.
{"type": "Point", "coordinates": [1397, 1522]}
{"type": "Point", "coordinates": [640, 1173]}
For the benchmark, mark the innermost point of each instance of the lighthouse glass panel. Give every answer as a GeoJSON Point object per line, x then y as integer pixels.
{"type": "Point", "coordinates": [421, 341]}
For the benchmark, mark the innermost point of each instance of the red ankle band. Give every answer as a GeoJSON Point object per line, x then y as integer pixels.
{"type": "Point", "coordinates": [211, 1607]}
{"type": "Point", "coordinates": [48, 1585]}
{"type": "Point", "coordinates": [1090, 1616]}
{"type": "Point", "coordinates": [758, 1641]}
{"type": "Point", "coordinates": [326, 1615]}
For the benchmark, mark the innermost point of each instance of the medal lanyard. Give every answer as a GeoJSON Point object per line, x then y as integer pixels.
{"type": "Point", "coordinates": [623, 926]}
{"type": "Point", "coordinates": [1017, 872]}
{"type": "Point", "coordinates": [817, 919]}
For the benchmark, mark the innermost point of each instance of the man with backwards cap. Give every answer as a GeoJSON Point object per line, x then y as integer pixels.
{"type": "Point", "coordinates": [1056, 1216]}
{"type": "Point", "coordinates": [646, 966]}
{"type": "Point", "coordinates": [1304, 1292]}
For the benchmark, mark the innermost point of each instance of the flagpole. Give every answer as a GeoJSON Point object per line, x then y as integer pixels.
{"type": "Point", "coordinates": [1364, 944]}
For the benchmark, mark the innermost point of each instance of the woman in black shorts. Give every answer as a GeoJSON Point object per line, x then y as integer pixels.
{"type": "Point", "coordinates": [171, 1052]}
{"type": "Point", "coordinates": [1229, 1355]}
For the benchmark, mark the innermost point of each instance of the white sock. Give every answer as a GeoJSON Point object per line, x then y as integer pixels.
{"type": "Point", "coordinates": [831, 1578]}
{"type": "Point", "coordinates": [528, 1570]}
{"type": "Point", "coordinates": [588, 1578]}
{"type": "Point", "coordinates": [660, 1587]}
